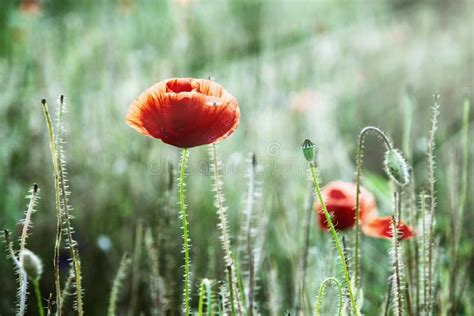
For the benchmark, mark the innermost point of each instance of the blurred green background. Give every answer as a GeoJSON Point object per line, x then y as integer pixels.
{"type": "Point", "coordinates": [304, 69]}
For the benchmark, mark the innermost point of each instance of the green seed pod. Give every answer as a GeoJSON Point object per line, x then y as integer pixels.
{"type": "Point", "coordinates": [32, 264]}
{"type": "Point", "coordinates": [309, 149]}
{"type": "Point", "coordinates": [396, 167]}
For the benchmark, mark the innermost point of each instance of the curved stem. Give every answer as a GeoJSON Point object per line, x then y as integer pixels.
{"type": "Point", "coordinates": [388, 145]}
{"type": "Point", "coordinates": [336, 239]}
{"type": "Point", "coordinates": [205, 289]}
{"type": "Point", "coordinates": [185, 232]}
{"type": "Point", "coordinates": [321, 294]}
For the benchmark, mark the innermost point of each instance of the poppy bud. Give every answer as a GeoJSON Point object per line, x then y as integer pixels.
{"type": "Point", "coordinates": [396, 167]}
{"type": "Point", "coordinates": [308, 150]}
{"type": "Point", "coordinates": [31, 264]}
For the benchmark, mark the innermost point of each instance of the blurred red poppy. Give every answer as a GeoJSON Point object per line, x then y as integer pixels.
{"type": "Point", "coordinates": [31, 7]}
{"type": "Point", "coordinates": [381, 227]}
{"type": "Point", "coordinates": [340, 199]}
{"type": "Point", "coordinates": [185, 112]}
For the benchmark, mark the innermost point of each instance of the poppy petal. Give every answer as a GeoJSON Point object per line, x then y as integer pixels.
{"type": "Point", "coordinates": [340, 199]}
{"type": "Point", "coordinates": [185, 112]}
{"type": "Point", "coordinates": [381, 227]}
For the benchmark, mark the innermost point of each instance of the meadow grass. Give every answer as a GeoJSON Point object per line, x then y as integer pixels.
{"type": "Point", "coordinates": [321, 70]}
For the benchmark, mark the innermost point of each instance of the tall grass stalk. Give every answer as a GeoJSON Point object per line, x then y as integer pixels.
{"type": "Point", "coordinates": [250, 249]}
{"type": "Point", "coordinates": [185, 231]}
{"type": "Point", "coordinates": [137, 255]}
{"type": "Point", "coordinates": [225, 240]}
{"type": "Point", "coordinates": [321, 292]}
{"type": "Point", "coordinates": [336, 240]}
{"type": "Point", "coordinates": [360, 155]}
{"type": "Point", "coordinates": [458, 222]}
{"type": "Point", "coordinates": [432, 199]}
{"type": "Point", "coordinates": [154, 275]}
{"type": "Point", "coordinates": [57, 242]}
{"type": "Point", "coordinates": [66, 208]}
{"type": "Point", "coordinates": [118, 281]}
{"type": "Point", "coordinates": [22, 277]}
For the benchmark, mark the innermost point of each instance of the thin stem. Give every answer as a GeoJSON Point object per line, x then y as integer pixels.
{"type": "Point", "coordinates": [221, 210]}
{"type": "Point", "coordinates": [336, 239]}
{"type": "Point", "coordinates": [388, 145]}
{"type": "Point", "coordinates": [185, 233]}
{"type": "Point", "coordinates": [396, 219]}
{"type": "Point", "coordinates": [251, 265]}
{"type": "Point", "coordinates": [231, 290]}
{"type": "Point", "coordinates": [38, 297]}
{"type": "Point", "coordinates": [321, 294]}
{"type": "Point", "coordinates": [76, 263]}
{"type": "Point", "coordinates": [205, 289]}
{"type": "Point", "coordinates": [26, 222]}
{"type": "Point", "coordinates": [432, 192]}
{"type": "Point", "coordinates": [57, 243]}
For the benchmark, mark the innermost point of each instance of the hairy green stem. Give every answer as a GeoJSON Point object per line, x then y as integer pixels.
{"type": "Point", "coordinates": [221, 211]}
{"type": "Point", "coordinates": [76, 263]}
{"type": "Point", "coordinates": [321, 294]}
{"type": "Point", "coordinates": [432, 192]}
{"type": "Point", "coordinates": [336, 239]}
{"type": "Point", "coordinates": [185, 232]}
{"type": "Point", "coordinates": [388, 145]}
{"type": "Point", "coordinates": [119, 278]}
{"type": "Point", "coordinates": [205, 290]}
{"type": "Point", "coordinates": [57, 243]}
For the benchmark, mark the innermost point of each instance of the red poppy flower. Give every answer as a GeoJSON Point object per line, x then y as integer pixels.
{"type": "Point", "coordinates": [381, 227]}
{"type": "Point", "coordinates": [340, 199]}
{"type": "Point", "coordinates": [185, 112]}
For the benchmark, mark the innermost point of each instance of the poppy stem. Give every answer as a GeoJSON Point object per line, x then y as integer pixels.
{"type": "Point", "coordinates": [185, 232]}
{"type": "Point", "coordinates": [336, 239]}
{"type": "Point", "coordinates": [360, 156]}
{"type": "Point", "coordinates": [321, 294]}
{"type": "Point", "coordinates": [38, 297]}
{"type": "Point", "coordinates": [57, 243]}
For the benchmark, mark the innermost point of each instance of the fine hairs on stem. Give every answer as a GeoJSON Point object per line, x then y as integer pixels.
{"type": "Point", "coordinates": [20, 262]}
{"type": "Point", "coordinates": [309, 153]}
{"type": "Point", "coordinates": [205, 291]}
{"type": "Point", "coordinates": [118, 281]}
{"type": "Point", "coordinates": [66, 208]}
{"type": "Point", "coordinates": [432, 204]}
{"type": "Point", "coordinates": [57, 243]}
{"type": "Point", "coordinates": [22, 277]}
{"type": "Point", "coordinates": [182, 206]}
{"type": "Point", "coordinates": [321, 293]}
{"type": "Point", "coordinates": [222, 214]}
{"type": "Point", "coordinates": [250, 250]}
{"type": "Point", "coordinates": [360, 154]}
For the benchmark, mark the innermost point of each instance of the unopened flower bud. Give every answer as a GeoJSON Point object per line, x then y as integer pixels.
{"type": "Point", "coordinates": [308, 150]}
{"type": "Point", "coordinates": [396, 167]}
{"type": "Point", "coordinates": [32, 264]}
